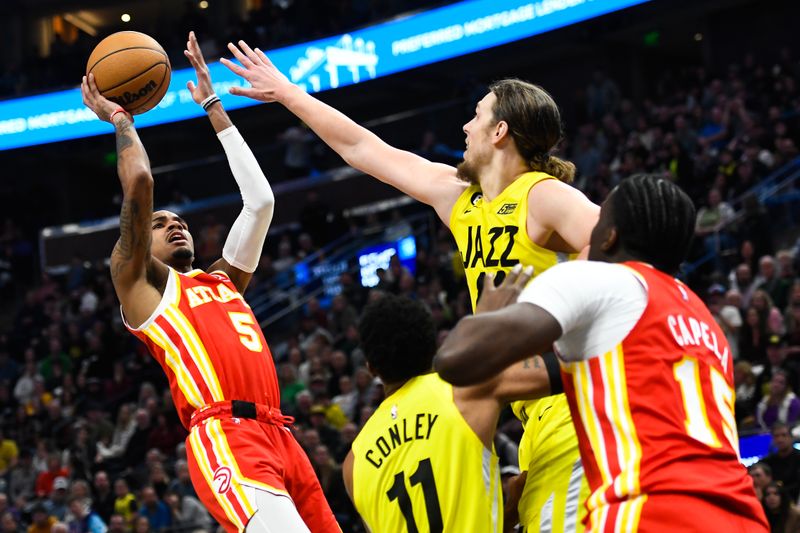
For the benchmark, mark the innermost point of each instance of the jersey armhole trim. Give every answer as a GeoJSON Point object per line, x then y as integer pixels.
{"type": "Point", "coordinates": [523, 221]}
{"type": "Point", "coordinates": [171, 295]}
{"type": "Point", "coordinates": [458, 205]}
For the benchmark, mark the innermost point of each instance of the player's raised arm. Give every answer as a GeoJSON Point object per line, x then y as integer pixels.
{"type": "Point", "coordinates": [244, 244]}
{"type": "Point", "coordinates": [533, 376]}
{"type": "Point", "coordinates": [131, 262]}
{"type": "Point", "coordinates": [435, 184]}
{"type": "Point", "coordinates": [472, 353]}
{"type": "Point", "coordinates": [554, 206]}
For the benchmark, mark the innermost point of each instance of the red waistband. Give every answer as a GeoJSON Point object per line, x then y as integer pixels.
{"type": "Point", "coordinates": [241, 409]}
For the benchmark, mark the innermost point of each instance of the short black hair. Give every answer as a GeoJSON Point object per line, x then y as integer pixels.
{"type": "Point", "coordinates": [655, 220]}
{"type": "Point", "coordinates": [398, 337]}
{"type": "Point", "coordinates": [779, 425]}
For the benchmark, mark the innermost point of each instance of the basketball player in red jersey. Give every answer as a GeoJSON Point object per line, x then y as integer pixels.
{"type": "Point", "coordinates": [647, 372]}
{"type": "Point", "coordinates": [245, 464]}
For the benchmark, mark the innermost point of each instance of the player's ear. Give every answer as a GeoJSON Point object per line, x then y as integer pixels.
{"type": "Point", "coordinates": [610, 240]}
{"type": "Point", "coordinates": [500, 131]}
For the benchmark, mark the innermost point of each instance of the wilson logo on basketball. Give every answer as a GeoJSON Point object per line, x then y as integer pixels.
{"type": "Point", "coordinates": [222, 479]}
{"type": "Point", "coordinates": [128, 97]}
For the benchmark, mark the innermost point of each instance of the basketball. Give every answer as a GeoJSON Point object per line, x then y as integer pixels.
{"type": "Point", "coordinates": [130, 69]}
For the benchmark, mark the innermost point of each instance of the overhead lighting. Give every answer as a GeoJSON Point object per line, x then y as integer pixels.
{"type": "Point", "coordinates": [125, 17]}
{"type": "Point", "coordinates": [80, 23]}
{"type": "Point", "coordinates": [203, 4]}
{"type": "Point", "coordinates": [698, 37]}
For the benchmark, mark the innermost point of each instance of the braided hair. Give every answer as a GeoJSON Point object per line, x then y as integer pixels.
{"type": "Point", "coordinates": [655, 220]}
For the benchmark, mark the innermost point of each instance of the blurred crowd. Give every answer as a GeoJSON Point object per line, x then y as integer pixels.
{"type": "Point", "coordinates": [90, 440]}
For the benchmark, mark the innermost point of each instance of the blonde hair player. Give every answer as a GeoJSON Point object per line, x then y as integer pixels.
{"type": "Point", "coordinates": [247, 468]}
{"type": "Point", "coordinates": [508, 202]}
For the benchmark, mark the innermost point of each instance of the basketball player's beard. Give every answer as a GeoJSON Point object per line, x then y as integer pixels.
{"type": "Point", "coordinates": [467, 172]}
{"type": "Point", "coordinates": [182, 254]}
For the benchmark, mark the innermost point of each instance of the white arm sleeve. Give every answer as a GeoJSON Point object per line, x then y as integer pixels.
{"type": "Point", "coordinates": [596, 304]}
{"type": "Point", "coordinates": [246, 239]}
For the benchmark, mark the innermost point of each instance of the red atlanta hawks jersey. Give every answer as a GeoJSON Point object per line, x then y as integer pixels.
{"type": "Point", "coordinates": [654, 416]}
{"type": "Point", "coordinates": [210, 345]}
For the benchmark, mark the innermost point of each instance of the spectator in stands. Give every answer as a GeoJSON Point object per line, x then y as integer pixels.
{"type": "Point", "coordinates": [165, 435]}
{"type": "Point", "coordinates": [329, 473]}
{"type": "Point", "coordinates": [22, 480]}
{"type": "Point", "coordinates": [711, 224]}
{"type": "Point", "coordinates": [753, 339]}
{"type": "Point", "coordinates": [141, 524]}
{"type": "Point", "coordinates": [290, 385]}
{"type": "Point", "coordinates": [785, 460]}
{"type": "Point", "coordinates": [777, 360]}
{"type": "Point", "coordinates": [155, 510]}
{"type": "Point", "coordinates": [347, 397]}
{"type": "Point", "coordinates": [769, 316]}
{"type": "Point", "coordinates": [55, 356]}
{"type": "Point", "coordinates": [41, 520]}
{"type": "Point", "coordinates": [187, 513]}
{"type": "Point", "coordinates": [792, 321]}
{"type": "Point", "coordinates": [741, 279]}
{"type": "Point", "coordinates": [761, 474]}
{"type": "Point", "coordinates": [116, 524]}
{"type": "Point", "coordinates": [108, 451]}
{"type": "Point", "coordinates": [775, 285]}
{"type": "Point", "coordinates": [746, 395]}
{"type": "Point", "coordinates": [342, 315]}
{"type": "Point", "coordinates": [56, 503]}
{"type": "Point", "coordinates": [346, 438]}
{"type": "Point", "coordinates": [9, 523]}
{"type": "Point", "coordinates": [45, 481]}
{"type": "Point", "coordinates": [781, 513]}
{"type": "Point", "coordinates": [181, 484]}
{"type": "Point", "coordinates": [727, 317]}
{"type": "Point", "coordinates": [81, 453]}
{"type": "Point", "coordinates": [82, 519]}
{"type": "Point", "coordinates": [125, 503]}
{"type": "Point", "coordinates": [8, 453]}
{"type": "Point", "coordinates": [102, 496]}
{"type": "Point", "coordinates": [24, 390]}
{"type": "Point", "coordinates": [137, 445]}
{"type": "Point", "coordinates": [780, 405]}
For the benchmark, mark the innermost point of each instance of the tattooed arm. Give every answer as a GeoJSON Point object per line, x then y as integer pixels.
{"type": "Point", "coordinates": [138, 278]}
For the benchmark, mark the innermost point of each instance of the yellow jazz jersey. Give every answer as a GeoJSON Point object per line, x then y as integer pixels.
{"type": "Point", "coordinates": [418, 466]}
{"type": "Point", "coordinates": [492, 237]}
{"type": "Point", "coordinates": [555, 490]}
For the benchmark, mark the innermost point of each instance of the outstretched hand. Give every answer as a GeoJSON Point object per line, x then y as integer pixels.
{"type": "Point", "coordinates": [203, 89]}
{"type": "Point", "coordinates": [493, 298]}
{"type": "Point", "coordinates": [99, 104]}
{"type": "Point", "coordinates": [267, 82]}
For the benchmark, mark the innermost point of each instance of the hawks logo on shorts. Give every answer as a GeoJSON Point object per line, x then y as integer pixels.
{"type": "Point", "coordinates": [222, 479]}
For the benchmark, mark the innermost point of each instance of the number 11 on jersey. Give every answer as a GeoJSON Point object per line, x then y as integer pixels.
{"type": "Point", "coordinates": [423, 476]}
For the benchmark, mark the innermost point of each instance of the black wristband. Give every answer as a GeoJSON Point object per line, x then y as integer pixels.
{"type": "Point", "coordinates": [211, 102]}
{"type": "Point", "coordinates": [553, 372]}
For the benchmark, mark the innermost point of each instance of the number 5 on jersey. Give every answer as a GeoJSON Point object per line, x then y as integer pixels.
{"type": "Point", "coordinates": [243, 323]}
